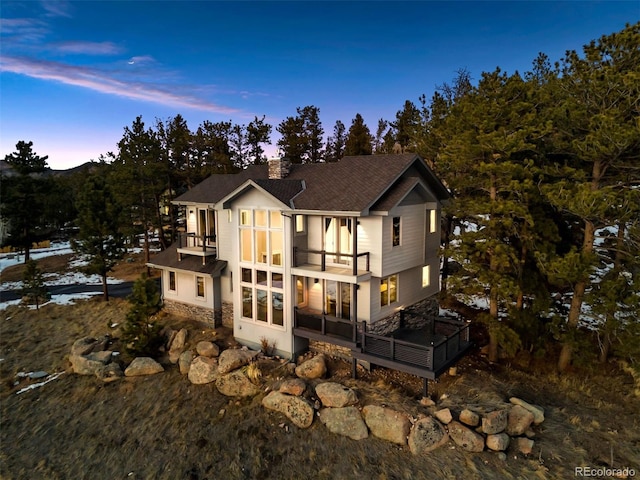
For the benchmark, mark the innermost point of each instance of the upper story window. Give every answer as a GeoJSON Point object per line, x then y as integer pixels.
{"type": "Point", "coordinates": [396, 231]}
{"type": "Point", "coordinates": [433, 225]}
{"type": "Point", "coordinates": [426, 276]}
{"type": "Point", "coordinates": [261, 237]}
{"type": "Point", "coordinates": [300, 224]}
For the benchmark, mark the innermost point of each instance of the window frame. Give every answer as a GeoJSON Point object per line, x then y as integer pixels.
{"type": "Point", "coordinates": [387, 280]}
{"type": "Point", "coordinates": [426, 276]}
{"type": "Point", "coordinates": [200, 280]}
{"type": "Point", "coordinates": [172, 283]}
{"type": "Point", "coordinates": [396, 238]}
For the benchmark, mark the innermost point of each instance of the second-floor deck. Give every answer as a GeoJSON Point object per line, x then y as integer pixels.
{"type": "Point", "coordinates": [331, 265]}
{"type": "Point", "coordinates": [198, 245]}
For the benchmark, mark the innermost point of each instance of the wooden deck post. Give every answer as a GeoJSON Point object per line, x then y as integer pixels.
{"type": "Point", "coordinates": [354, 368]}
{"type": "Point", "coordinates": [425, 387]}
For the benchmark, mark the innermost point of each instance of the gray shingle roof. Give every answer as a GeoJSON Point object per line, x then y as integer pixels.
{"type": "Point", "coordinates": [354, 184]}
{"type": "Point", "coordinates": [169, 259]}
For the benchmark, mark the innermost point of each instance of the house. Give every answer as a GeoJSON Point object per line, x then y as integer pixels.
{"type": "Point", "coordinates": [314, 255]}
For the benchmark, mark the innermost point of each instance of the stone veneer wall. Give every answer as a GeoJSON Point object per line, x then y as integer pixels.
{"type": "Point", "coordinates": [202, 314]}
{"type": "Point", "coordinates": [330, 349]}
{"type": "Point", "coordinates": [416, 316]}
{"type": "Point", "coordinates": [227, 314]}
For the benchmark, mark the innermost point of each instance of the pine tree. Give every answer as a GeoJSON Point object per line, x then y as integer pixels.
{"type": "Point", "coordinates": [336, 143]}
{"type": "Point", "coordinates": [359, 138]}
{"type": "Point", "coordinates": [140, 334]}
{"type": "Point", "coordinates": [99, 220]}
{"type": "Point", "coordinates": [33, 287]}
{"type": "Point", "coordinates": [258, 132]}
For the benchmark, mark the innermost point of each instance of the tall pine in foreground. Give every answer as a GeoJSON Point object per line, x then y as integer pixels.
{"type": "Point", "coordinates": [140, 334]}
{"type": "Point", "coordinates": [99, 219]}
{"type": "Point", "coordinates": [33, 287]}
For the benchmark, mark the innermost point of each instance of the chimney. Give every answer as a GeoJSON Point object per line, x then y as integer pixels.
{"type": "Point", "coordinates": [278, 167]}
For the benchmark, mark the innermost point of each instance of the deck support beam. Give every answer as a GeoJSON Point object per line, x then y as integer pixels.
{"type": "Point", "coordinates": [354, 368]}
{"type": "Point", "coordinates": [425, 387]}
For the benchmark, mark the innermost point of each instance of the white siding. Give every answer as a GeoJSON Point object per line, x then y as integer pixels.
{"type": "Point", "coordinates": [186, 289]}
{"type": "Point", "coordinates": [410, 252]}
{"type": "Point", "coordinates": [370, 240]}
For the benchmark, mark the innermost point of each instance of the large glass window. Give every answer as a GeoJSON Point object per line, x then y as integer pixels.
{"type": "Point", "coordinates": [262, 306]}
{"type": "Point", "coordinates": [245, 245]}
{"type": "Point", "coordinates": [261, 246]}
{"type": "Point", "coordinates": [276, 248]}
{"type": "Point", "coordinates": [247, 302]}
{"type": "Point", "coordinates": [277, 313]}
{"type": "Point", "coordinates": [388, 290]}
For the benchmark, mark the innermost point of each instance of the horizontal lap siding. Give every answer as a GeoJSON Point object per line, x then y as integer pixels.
{"type": "Point", "coordinates": [410, 252]}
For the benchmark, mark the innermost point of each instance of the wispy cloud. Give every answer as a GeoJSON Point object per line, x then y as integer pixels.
{"type": "Point", "coordinates": [23, 29]}
{"type": "Point", "coordinates": [101, 82]}
{"type": "Point", "coordinates": [57, 8]}
{"type": "Point", "coordinates": [86, 48]}
{"type": "Point", "coordinates": [141, 60]}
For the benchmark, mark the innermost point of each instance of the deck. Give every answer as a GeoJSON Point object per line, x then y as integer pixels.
{"type": "Point", "coordinates": [426, 353]}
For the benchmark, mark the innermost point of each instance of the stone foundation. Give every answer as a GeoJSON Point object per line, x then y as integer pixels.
{"type": "Point", "coordinates": [415, 317]}
{"type": "Point", "coordinates": [227, 314]}
{"type": "Point", "coordinates": [202, 314]}
{"type": "Point", "coordinates": [330, 349]}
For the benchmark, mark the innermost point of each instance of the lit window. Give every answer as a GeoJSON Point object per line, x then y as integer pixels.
{"type": "Point", "coordinates": [200, 287]}
{"type": "Point", "coordinates": [388, 290]}
{"type": "Point", "coordinates": [426, 274]}
{"type": "Point", "coordinates": [300, 224]}
{"type": "Point", "coordinates": [261, 246]}
{"type": "Point", "coordinates": [276, 248]}
{"type": "Point", "coordinates": [276, 219]}
{"type": "Point", "coordinates": [433, 226]}
{"type": "Point", "coordinates": [245, 244]}
{"type": "Point", "coordinates": [301, 291]}
{"type": "Point", "coordinates": [245, 217]}
{"type": "Point", "coordinates": [396, 231]}
{"type": "Point", "coordinates": [172, 281]}
{"type": "Point", "coordinates": [261, 218]}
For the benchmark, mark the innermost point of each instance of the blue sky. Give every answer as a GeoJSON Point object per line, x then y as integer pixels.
{"type": "Point", "coordinates": [74, 74]}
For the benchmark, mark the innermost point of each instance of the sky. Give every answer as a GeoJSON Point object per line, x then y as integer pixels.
{"type": "Point", "coordinates": [73, 75]}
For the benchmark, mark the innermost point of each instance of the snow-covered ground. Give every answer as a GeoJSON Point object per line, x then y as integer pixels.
{"type": "Point", "coordinates": [69, 278]}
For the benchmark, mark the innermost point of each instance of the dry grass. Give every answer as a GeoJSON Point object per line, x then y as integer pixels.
{"type": "Point", "coordinates": [163, 427]}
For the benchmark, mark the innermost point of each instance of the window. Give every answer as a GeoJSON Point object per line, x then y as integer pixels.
{"type": "Point", "coordinates": [396, 231]}
{"type": "Point", "coordinates": [245, 218]}
{"type": "Point", "coordinates": [172, 281]}
{"type": "Point", "coordinates": [388, 290]}
{"type": "Point", "coordinates": [277, 314]}
{"type": "Point", "coordinates": [433, 226]}
{"type": "Point", "coordinates": [426, 274]}
{"type": "Point", "coordinates": [247, 302]}
{"type": "Point", "coordinates": [301, 291]}
{"type": "Point", "coordinates": [300, 224]}
{"type": "Point", "coordinates": [200, 287]}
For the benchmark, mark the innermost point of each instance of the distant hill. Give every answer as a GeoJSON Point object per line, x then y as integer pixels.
{"type": "Point", "coordinates": [7, 171]}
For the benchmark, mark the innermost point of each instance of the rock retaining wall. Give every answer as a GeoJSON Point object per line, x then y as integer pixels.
{"type": "Point", "coordinates": [202, 314]}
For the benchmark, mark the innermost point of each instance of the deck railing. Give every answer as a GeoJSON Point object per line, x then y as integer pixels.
{"type": "Point", "coordinates": [297, 252]}
{"type": "Point", "coordinates": [193, 240]}
{"type": "Point", "coordinates": [330, 326]}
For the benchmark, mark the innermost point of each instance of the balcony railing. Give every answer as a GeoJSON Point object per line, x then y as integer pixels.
{"type": "Point", "coordinates": [299, 252]}
{"type": "Point", "coordinates": [326, 325]}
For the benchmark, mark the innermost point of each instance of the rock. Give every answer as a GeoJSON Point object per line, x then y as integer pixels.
{"type": "Point", "coordinates": [202, 370]}
{"type": "Point", "coordinates": [426, 435]}
{"type": "Point", "coordinates": [109, 373]}
{"type": "Point", "coordinates": [103, 357]}
{"type": "Point", "coordinates": [37, 375]}
{"type": "Point", "coordinates": [502, 456]}
{"type": "Point", "coordinates": [84, 345]}
{"type": "Point", "coordinates": [524, 445]}
{"type": "Point", "coordinates": [498, 442]}
{"type": "Point", "coordinates": [427, 402]}
{"type": "Point", "coordinates": [296, 409]}
{"type": "Point", "coordinates": [293, 386]}
{"type": "Point", "coordinates": [333, 394]}
{"type": "Point", "coordinates": [469, 418]}
{"type": "Point", "coordinates": [345, 421]}
{"type": "Point", "coordinates": [233, 359]}
{"type": "Point", "coordinates": [538, 413]}
{"type": "Point", "coordinates": [519, 420]}
{"type": "Point", "coordinates": [176, 343]}
{"type": "Point", "coordinates": [83, 365]}
{"type": "Point", "coordinates": [444, 415]}
{"type": "Point", "coordinates": [314, 368]}
{"type": "Point", "coordinates": [207, 349]}
{"type": "Point", "coordinates": [143, 366]}
{"type": "Point", "coordinates": [184, 361]}
{"type": "Point", "coordinates": [466, 438]}
{"type": "Point", "coordinates": [387, 424]}
{"type": "Point", "coordinates": [236, 384]}
{"type": "Point", "coordinates": [494, 422]}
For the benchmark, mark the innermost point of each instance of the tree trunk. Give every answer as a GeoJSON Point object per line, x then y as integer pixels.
{"type": "Point", "coordinates": [493, 292]}
{"type": "Point", "coordinates": [105, 289]}
{"type": "Point", "coordinates": [446, 238]}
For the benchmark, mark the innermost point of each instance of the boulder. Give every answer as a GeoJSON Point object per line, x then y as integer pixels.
{"type": "Point", "coordinates": [538, 413]}
{"type": "Point", "coordinates": [427, 402]}
{"type": "Point", "coordinates": [233, 359]}
{"type": "Point", "coordinates": [494, 422]}
{"type": "Point", "coordinates": [469, 418]}
{"type": "Point", "coordinates": [109, 373]}
{"type": "Point", "coordinates": [524, 445]}
{"type": "Point", "coordinates": [444, 416]}
{"type": "Point", "coordinates": [296, 409]}
{"type": "Point", "coordinates": [519, 420]}
{"type": "Point", "coordinates": [202, 370]}
{"type": "Point", "coordinates": [177, 341]}
{"type": "Point", "coordinates": [86, 345]}
{"type": "Point", "coordinates": [313, 368]}
{"type": "Point", "coordinates": [333, 394]}
{"type": "Point", "coordinates": [426, 435]}
{"type": "Point", "coordinates": [466, 438]}
{"type": "Point", "coordinates": [498, 442]}
{"type": "Point", "coordinates": [345, 421]}
{"type": "Point", "coordinates": [207, 349]}
{"type": "Point", "coordinates": [293, 386]}
{"type": "Point", "coordinates": [143, 366]}
{"type": "Point", "coordinates": [236, 384]}
{"type": "Point", "coordinates": [82, 365]}
{"type": "Point", "coordinates": [387, 424]}
{"type": "Point", "coordinates": [103, 357]}
{"type": "Point", "coordinates": [184, 361]}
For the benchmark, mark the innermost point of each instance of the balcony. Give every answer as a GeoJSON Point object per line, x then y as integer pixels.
{"type": "Point", "coordinates": [345, 267]}
{"type": "Point", "coordinates": [199, 245]}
